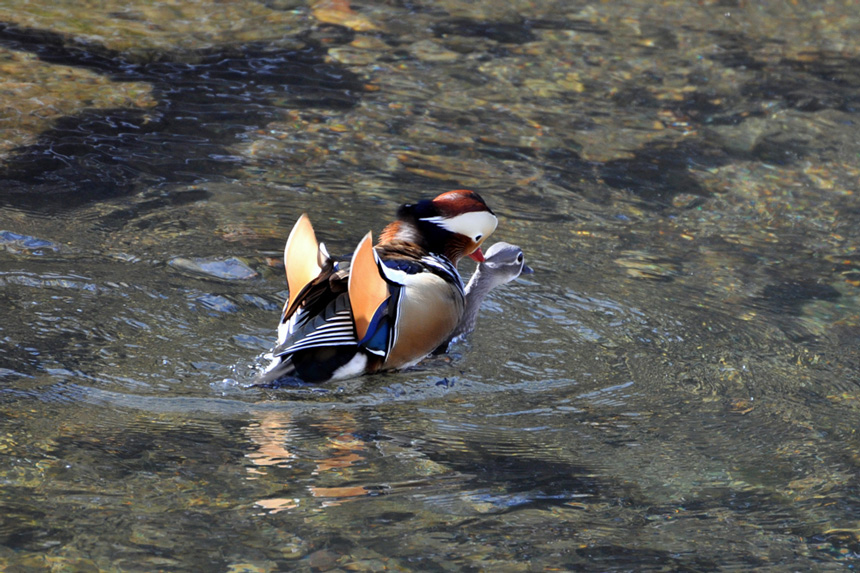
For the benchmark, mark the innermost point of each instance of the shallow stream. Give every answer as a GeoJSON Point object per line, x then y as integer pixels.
{"type": "Point", "coordinates": [676, 387]}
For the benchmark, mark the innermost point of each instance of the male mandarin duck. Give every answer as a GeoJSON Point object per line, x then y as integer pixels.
{"type": "Point", "coordinates": [390, 305]}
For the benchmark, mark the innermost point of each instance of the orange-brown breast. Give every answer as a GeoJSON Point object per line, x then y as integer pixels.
{"type": "Point", "coordinates": [389, 233]}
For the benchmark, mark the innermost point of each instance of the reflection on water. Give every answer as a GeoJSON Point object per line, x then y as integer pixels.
{"type": "Point", "coordinates": [272, 432]}
{"type": "Point", "coordinates": [676, 387]}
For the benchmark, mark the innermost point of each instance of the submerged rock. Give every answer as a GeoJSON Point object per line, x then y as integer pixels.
{"type": "Point", "coordinates": [18, 244]}
{"type": "Point", "coordinates": [34, 94]}
{"type": "Point", "coordinates": [229, 269]}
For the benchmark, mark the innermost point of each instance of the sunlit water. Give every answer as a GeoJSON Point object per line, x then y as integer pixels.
{"type": "Point", "coordinates": [675, 388]}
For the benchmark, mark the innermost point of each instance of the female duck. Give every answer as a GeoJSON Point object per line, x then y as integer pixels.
{"type": "Point", "coordinates": [503, 263]}
{"type": "Point", "coordinates": [389, 306]}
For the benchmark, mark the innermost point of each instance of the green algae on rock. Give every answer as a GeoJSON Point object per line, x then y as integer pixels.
{"type": "Point", "coordinates": [33, 94]}
{"type": "Point", "coordinates": [151, 27]}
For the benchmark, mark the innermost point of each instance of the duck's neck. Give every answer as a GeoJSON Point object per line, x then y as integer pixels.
{"type": "Point", "coordinates": [400, 231]}
{"type": "Point", "coordinates": [476, 291]}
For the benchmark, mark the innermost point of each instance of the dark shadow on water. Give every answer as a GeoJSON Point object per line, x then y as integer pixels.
{"type": "Point", "coordinates": [206, 101]}
{"type": "Point", "coordinates": [789, 297]}
{"type": "Point", "coordinates": [657, 172]}
{"type": "Point", "coordinates": [625, 558]}
{"type": "Point", "coordinates": [17, 530]}
{"type": "Point", "coordinates": [516, 31]}
{"type": "Point", "coordinates": [810, 82]}
{"type": "Point", "coordinates": [519, 481]}
{"type": "Point", "coordinates": [660, 170]}
{"type": "Point", "coordinates": [523, 482]}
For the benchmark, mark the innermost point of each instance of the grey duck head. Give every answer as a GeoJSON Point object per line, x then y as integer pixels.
{"type": "Point", "coordinates": [503, 262]}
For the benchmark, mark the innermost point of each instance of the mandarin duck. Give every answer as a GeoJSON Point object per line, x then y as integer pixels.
{"type": "Point", "coordinates": [390, 305]}
{"type": "Point", "coordinates": [503, 262]}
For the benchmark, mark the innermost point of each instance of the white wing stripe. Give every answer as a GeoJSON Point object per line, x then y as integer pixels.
{"type": "Point", "coordinates": [313, 342]}
{"type": "Point", "coordinates": [338, 330]}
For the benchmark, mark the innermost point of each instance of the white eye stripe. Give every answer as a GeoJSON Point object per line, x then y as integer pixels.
{"type": "Point", "coordinates": [476, 224]}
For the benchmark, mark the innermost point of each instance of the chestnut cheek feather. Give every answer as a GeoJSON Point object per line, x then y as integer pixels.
{"type": "Point", "coordinates": [458, 246]}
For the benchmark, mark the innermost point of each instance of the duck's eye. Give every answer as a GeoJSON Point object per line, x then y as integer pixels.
{"type": "Point", "coordinates": [520, 258]}
{"type": "Point", "coordinates": [478, 238]}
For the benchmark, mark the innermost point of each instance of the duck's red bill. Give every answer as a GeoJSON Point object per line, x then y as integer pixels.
{"type": "Point", "coordinates": [478, 255]}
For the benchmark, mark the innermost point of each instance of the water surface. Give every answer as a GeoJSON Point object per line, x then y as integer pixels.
{"type": "Point", "coordinates": [675, 388]}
